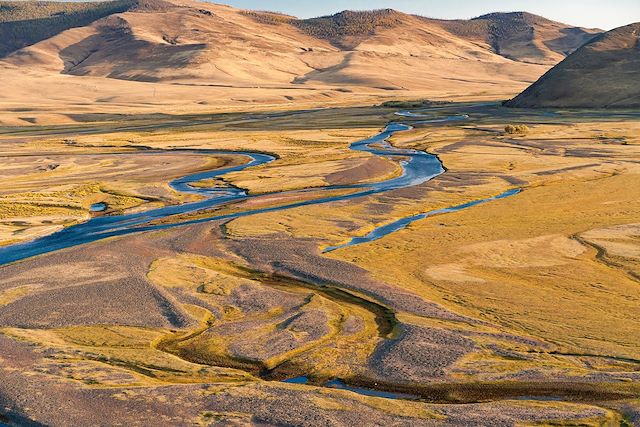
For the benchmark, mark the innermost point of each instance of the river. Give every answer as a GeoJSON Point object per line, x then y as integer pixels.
{"type": "Point", "coordinates": [418, 167]}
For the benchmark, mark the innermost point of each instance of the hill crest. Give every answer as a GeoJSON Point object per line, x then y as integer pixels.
{"type": "Point", "coordinates": [603, 73]}
{"type": "Point", "coordinates": [185, 42]}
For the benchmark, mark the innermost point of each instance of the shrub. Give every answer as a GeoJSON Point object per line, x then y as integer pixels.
{"type": "Point", "coordinates": [423, 103]}
{"type": "Point", "coordinates": [344, 28]}
{"type": "Point", "coordinates": [516, 129]}
{"type": "Point", "coordinates": [269, 18]}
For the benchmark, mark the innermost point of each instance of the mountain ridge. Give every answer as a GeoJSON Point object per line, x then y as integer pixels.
{"type": "Point", "coordinates": [344, 30]}
{"type": "Point", "coordinates": [200, 54]}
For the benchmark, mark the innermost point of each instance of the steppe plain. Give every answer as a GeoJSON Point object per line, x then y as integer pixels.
{"type": "Point", "coordinates": [518, 311]}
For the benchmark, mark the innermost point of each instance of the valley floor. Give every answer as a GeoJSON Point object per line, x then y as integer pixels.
{"type": "Point", "coordinates": [522, 310]}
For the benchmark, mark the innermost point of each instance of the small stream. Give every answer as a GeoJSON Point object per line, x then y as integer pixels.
{"type": "Point", "coordinates": [402, 223]}
{"type": "Point", "coordinates": [418, 167]}
{"type": "Point", "coordinates": [341, 385]}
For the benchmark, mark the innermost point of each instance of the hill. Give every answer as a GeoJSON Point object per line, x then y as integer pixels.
{"type": "Point", "coordinates": [603, 73]}
{"type": "Point", "coordinates": [23, 23]}
{"type": "Point", "coordinates": [523, 36]}
{"type": "Point", "coordinates": [519, 36]}
{"type": "Point", "coordinates": [180, 42]}
{"type": "Point", "coordinates": [348, 29]}
{"type": "Point", "coordinates": [199, 54]}
{"type": "Point", "coordinates": [157, 40]}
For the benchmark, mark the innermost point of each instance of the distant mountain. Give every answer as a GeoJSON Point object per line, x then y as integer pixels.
{"type": "Point", "coordinates": [188, 42]}
{"type": "Point", "coordinates": [603, 73]}
{"type": "Point", "coordinates": [522, 36]}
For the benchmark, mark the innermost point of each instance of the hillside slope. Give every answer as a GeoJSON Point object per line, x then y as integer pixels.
{"type": "Point", "coordinates": [202, 43]}
{"type": "Point", "coordinates": [185, 56]}
{"type": "Point", "coordinates": [519, 36]}
{"type": "Point", "coordinates": [179, 42]}
{"type": "Point", "coordinates": [23, 23]}
{"type": "Point", "coordinates": [603, 73]}
{"type": "Point", "coordinates": [523, 36]}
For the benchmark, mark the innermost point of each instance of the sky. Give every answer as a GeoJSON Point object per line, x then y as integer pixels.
{"type": "Point", "coordinates": [605, 14]}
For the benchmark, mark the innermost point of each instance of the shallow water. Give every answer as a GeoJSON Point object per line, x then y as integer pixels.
{"type": "Point", "coordinates": [98, 207]}
{"type": "Point", "coordinates": [418, 167]}
{"type": "Point", "coordinates": [400, 224]}
{"type": "Point", "coordinates": [339, 384]}
{"type": "Point", "coordinates": [297, 380]}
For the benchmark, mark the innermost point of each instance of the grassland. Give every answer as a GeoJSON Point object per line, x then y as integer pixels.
{"type": "Point", "coordinates": [479, 313]}
{"type": "Point", "coordinates": [40, 194]}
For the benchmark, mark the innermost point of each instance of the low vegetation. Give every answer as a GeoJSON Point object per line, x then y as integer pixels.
{"type": "Point", "coordinates": [337, 28]}
{"type": "Point", "coordinates": [475, 28]}
{"type": "Point", "coordinates": [503, 28]}
{"type": "Point", "coordinates": [216, 306]}
{"type": "Point", "coordinates": [516, 129]}
{"type": "Point", "coordinates": [349, 24]}
{"type": "Point", "coordinates": [269, 18]}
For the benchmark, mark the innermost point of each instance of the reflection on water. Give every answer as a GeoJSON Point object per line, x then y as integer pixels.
{"type": "Point", "coordinates": [339, 384]}
{"type": "Point", "coordinates": [418, 167]}
{"type": "Point", "coordinates": [392, 227]}
{"type": "Point", "coordinates": [98, 207]}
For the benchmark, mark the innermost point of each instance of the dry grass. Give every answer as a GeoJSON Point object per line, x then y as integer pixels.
{"type": "Point", "coordinates": [22, 214]}
{"type": "Point", "coordinates": [528, 254]}
{"type": "Point", "coordinates": [113, 349]}
{"type": "Point", "coordinates": [545, 278]}
{"type": "Point", "coordinates": [313, 326]}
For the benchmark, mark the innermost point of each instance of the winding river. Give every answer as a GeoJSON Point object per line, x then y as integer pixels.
{"type": "Point", "coordinates": [417, 168]}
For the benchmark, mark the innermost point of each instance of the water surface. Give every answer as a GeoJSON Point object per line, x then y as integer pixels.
{"type": "Point", "coordinates": [417, 168]}
{"type": "Point", "coordinates": [402, 223]}
{"type": "Point", "coordinates": [98, 207]}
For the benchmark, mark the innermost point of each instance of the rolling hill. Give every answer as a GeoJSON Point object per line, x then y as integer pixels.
{"type": "Point", "coordinates": [603, 73]}
{"type": "Point", "coordinates": [523, 36]}
{"type": "Point", "coordinates": [183, 41]}
{"type": "Point", "coordinates": [184, 55]}
{"type": "Point", "coordinates": [23, 23]}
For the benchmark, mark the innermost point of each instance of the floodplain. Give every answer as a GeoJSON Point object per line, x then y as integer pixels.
{"type": "Point", "coordinates": [520, 310]}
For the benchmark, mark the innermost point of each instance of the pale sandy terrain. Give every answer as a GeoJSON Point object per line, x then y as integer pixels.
{"type": "Point", "coordinates": [186, 57]}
